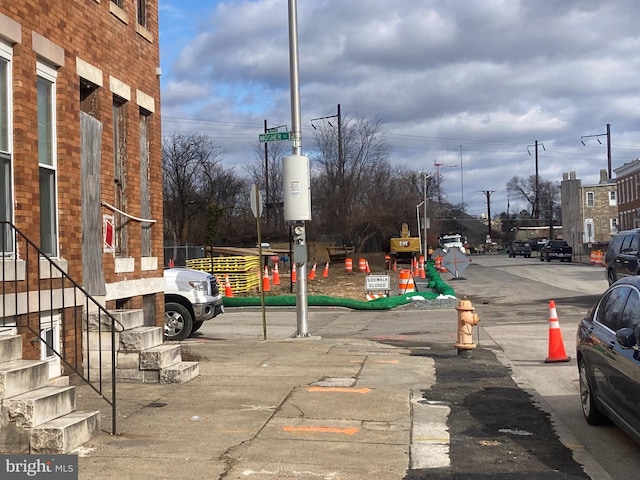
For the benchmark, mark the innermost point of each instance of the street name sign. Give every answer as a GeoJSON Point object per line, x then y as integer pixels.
{"type": "Point", "coordinates": [273, 137]}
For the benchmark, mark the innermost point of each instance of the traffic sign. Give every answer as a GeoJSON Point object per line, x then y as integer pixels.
{"type": "Point", "coordinates": [273, 137]}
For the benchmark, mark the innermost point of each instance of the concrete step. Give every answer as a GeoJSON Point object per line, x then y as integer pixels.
{"type": "Point", "coordinates": [181, 372]}
{"type": "Point", "coordinates": [20, 376]}
{"type": "Point", "coordinates": [39, 406]}
{"type": "Point", "coordinates": [64, 434]}
{"type": "Point", "coordinates": [10, 348]}
{"type": "Point", "coordinates": [140, 338]}
{"type": "Point", "coordinates": [160, 357]}
{"type": "Point", "coordinates": [135, 375]}
{"type": "Point", "coordinates": [128, 319]}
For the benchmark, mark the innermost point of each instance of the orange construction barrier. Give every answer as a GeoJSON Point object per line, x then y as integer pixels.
{"type": "Point", "coordinates": [312, 273]}
{"type": "Point", "coordinates": [325, 272]}
{"type": "Point", "coordinates": [406, 284]}
{"type": "Point", "coordinates": [276, 274]}
{"type": "Point", "coordinates": [439, 267]}
{"type": "Point", "coordinates": [266, 286]}
{"type": "Point", "coordinates": [294, 274]}
{"type": "Point", "coordinates": [362, 265]}
{"type": "Point", "coordinates": [228, 292]}
{"type": "Point", "coordinates": [348, 265]}
{"type": "Point", "coordinates": [557, 352]}
{"type": "Point", "coordinates": [596, 258]}
{"type": "Point", "coordinates": [421, 271]}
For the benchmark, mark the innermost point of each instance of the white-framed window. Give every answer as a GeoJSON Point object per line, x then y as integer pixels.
{"type": "Point", "coordinates": [613, 225]}
{"type": "Point", "coordinates": [47, 158]}
{"type": "Point", "coordinates": [590, 199]}
{"type": "Point", "coordinates": [613, 198]}
{"type": "Point", "coordinates": [589, 232]}
{"type": "Point", "coordinates": [6, 148]}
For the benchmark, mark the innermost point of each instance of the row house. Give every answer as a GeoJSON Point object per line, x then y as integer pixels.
{"type": "Point", "coordinates": [80, 176]}
{"type": "Point", "coordinates": [589, 212]}
{"type": "Point", "coordinates": [627, 180]}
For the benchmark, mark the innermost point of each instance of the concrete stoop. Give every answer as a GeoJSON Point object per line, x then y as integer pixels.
{"type": "Point", "coordinates": [141, 356]}
{"type": "Point", "coordinates": [36, 415]}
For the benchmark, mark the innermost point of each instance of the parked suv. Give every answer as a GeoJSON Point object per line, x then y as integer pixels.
{"type": "Point", "coordinates": [520, 247]}
{"type": "Point", "coordinates": [621, 259]}
{"type": "Point", "coordinates": [190, 298]}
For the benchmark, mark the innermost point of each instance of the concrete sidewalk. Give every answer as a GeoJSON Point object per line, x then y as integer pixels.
{"type": "Point", "coordinates": [337, 405]}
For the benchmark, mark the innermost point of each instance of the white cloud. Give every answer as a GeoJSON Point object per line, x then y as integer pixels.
{"type": "Point", "coordinates": [491, 75]}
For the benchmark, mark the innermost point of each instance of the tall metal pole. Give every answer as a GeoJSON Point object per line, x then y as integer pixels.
{"type": "Point", "coordinates": [461, 183]}
{"type": "Point", "coordinates": [425, 252]}
{"type": "Point", "coordinates": [266, 173]}
{"type": "Point", "coordinates": [296, 132]}
{"type": "Point", "coordinates": [609, 151]}
{"type": "Point", "coordinates": [537, 199]}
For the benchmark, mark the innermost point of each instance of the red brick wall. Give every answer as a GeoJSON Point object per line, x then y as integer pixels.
{"type": "Point", "coordinates": [85, 29]}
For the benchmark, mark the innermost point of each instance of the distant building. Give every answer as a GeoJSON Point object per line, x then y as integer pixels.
{"type": "Point", "coordinates": [589, 212]}
{"type": "Point", "coordinates": [627, 180]}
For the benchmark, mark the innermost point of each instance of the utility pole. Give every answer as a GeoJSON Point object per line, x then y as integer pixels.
{"type": "Point", "coordinates": [266, 172]}
{"type": "Point", "coordinates": [536, 201]}
{"type": "Point", "coordinates": [608, 134]}
{"type": "Point", "coordinates": [488, 195]}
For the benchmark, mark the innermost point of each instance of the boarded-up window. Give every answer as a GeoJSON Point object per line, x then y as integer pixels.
{"type": "Point", "coordinates": [120, 176]}
{"type": "Point", "coordinates": [145, 194]}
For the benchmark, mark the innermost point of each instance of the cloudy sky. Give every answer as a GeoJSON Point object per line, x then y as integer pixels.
{"type": "Point", "coordinates": [463, 86]}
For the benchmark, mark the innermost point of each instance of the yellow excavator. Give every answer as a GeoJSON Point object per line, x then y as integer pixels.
{"type": "Point", "coordinates": [405, 247]}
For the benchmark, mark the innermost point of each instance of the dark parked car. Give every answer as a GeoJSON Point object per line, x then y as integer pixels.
{"type": "Point", "coordinates": [520, 247]}
{"type": "Point", "coordinates": [621, 258]}
{"type": "Point", "coordinates": [609, 358]}
{"type": "Point", "coordinates": [556, 250]}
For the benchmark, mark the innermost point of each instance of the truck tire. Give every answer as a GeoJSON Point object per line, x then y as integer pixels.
{"type": "Point", "coordinates": [196, 326]}
{"type": "Point", "coordinates": [177, 322]}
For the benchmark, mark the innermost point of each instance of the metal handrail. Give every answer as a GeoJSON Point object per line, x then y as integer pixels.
{"type": "Point", "coordinates": [63, 294]}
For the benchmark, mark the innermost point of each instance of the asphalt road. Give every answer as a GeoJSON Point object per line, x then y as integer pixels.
{"type": "Point", "coordinates": [512, 298]}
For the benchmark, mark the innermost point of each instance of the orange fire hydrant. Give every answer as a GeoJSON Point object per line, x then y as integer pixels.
{"type": "Point", "coordinates": [466, 320]}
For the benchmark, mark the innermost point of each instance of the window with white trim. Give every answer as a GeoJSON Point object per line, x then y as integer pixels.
{"type": "Point", "coordinates": [613, 198]}
{"type": "Point", "coordinates": [6, 149]}
{"type": "Point", "coordinates": [590, 199]}
{"type": "Point", "coordinates": [613, 225]}
{"type": "Point", "coordinates": [47, 158]}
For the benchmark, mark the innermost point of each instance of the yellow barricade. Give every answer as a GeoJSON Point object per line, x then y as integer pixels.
{"type": "Point", "coordinates": [243, 272]}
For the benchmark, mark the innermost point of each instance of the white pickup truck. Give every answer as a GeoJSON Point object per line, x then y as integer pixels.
{"type": "Point", "coordinates": [190, 298]}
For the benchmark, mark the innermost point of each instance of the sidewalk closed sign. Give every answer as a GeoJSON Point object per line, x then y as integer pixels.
{"type": "Point", "coordinates": [376, 282]}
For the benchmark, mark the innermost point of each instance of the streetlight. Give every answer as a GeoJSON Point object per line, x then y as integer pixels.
{"type": "Point", "coordinates": [425, 225]}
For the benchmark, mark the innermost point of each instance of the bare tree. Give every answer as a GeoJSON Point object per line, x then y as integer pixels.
{"type": "Point", "coordinates": [268, 175]}
{"type": "Point", "coordinates": [198, 191]}
{"type": "Point", "coordinates": [359, 195]}
{"type": "Point", "coordinates": [548, 194]}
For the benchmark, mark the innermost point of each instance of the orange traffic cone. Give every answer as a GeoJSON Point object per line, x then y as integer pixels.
{"type": "Point", "coordinates": [367, 269]}
{"type": "Point", "coordinates": [266, 286]}
{"type": "Point", "coordinates": [556, 345]}
{"type": "Point", "coordinates": [227, 287]}
{"type": "Point", "coordinates": [325, 272]}
{"type": "Point", "coordinates": [312, 273]}
{"type": "Point", "coordinates": [171, 263]}
{"type": "Point", "coordinates": [294, 274]}
{"type": "Point", "coordinates": [276, 274]}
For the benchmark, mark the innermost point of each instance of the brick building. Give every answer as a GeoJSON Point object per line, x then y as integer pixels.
{"type": "Point", "coordinates": [627, 180]}
{"type": "Point", "coordinates": [589, 212]}
{"type": "Point", "coordinates": [80, 166]}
